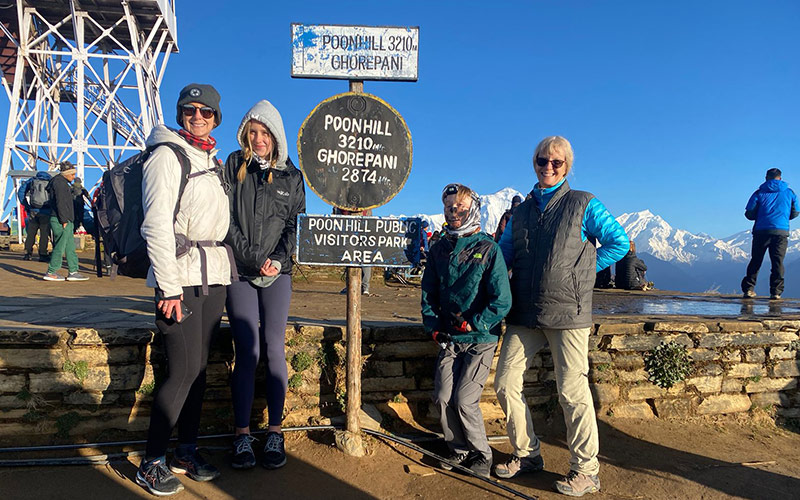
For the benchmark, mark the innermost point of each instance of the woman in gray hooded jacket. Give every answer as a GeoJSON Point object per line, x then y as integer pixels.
{"type": "Point", "coordinates": [266, 195]}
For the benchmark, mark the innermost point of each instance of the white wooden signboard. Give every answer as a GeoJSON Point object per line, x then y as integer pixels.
{"type": "Point", "coordinates": [355, 52]}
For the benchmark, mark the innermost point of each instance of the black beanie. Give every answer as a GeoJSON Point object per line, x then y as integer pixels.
{"type": "Point", "coordinates": [202, 93]}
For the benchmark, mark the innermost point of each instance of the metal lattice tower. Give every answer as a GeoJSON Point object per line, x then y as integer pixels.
{"type": "Point", "coordinates": [82, 78]}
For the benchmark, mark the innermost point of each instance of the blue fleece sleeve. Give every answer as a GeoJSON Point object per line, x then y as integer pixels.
{"type": "Point", "coordinates": [598, 223]}
{"type": "Point", "coordinates": [751, 209]}
{"type": "Point", "coordinates": [507, 243]}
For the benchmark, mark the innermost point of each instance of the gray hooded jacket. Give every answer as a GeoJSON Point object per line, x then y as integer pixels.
{"type": "Point", "coordinates": [263, 213]}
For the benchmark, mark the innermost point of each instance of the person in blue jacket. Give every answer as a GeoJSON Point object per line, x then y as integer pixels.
{"type": "Point", "coordinates": [549, 246]}
{"type": "Point", "coordinates": [771, 207]}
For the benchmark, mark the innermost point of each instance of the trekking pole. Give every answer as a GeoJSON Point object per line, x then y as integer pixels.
{"type": "Point", "coordinates": [297, 266]}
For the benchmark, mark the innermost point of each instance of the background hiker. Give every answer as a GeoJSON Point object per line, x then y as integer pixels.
{"type": "Point", "coordinates": [61, 223]}
{"type": "Point", "coordinates": [771, 207]}
{"type": "Point", "coordinates": [34, 199]}
{"type": "Point", "coordinates": [630, 271]}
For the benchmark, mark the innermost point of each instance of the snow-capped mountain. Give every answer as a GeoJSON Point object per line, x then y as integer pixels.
{"type": "Point", "coordinates": [653, 235]}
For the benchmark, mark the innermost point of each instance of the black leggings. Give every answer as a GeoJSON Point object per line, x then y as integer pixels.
{"type": "Point", "coordinates": [180, 397]}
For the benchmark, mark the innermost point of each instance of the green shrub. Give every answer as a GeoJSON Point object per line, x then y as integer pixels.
{"type": "Point", "coordinates": [79, 369]}
{"type": "Point", "coordinates": [295, 381]}
{"type": "Point", "coordinates": [301, 361]}
{"type": "Point", "coordinates": [668, 364]}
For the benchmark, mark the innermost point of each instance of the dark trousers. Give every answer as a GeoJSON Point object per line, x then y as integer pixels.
{"type": "Point", "coordinates": [37, 223]}
{"type": "Point", "coordinates": [461, 373]}
{"type": "Point", "coordinates": [776, 244]}
{"type": "Point", "coordinates": [258, 325]}
{"type": "Point", "coordinates": [179, 399]}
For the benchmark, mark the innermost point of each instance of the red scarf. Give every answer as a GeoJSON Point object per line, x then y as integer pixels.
{"type": "Point", "coordinates": [193, 140]}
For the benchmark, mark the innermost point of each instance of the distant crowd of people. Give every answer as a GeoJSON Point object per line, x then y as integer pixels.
{"type": "Point", "coordinates": [222, 238]}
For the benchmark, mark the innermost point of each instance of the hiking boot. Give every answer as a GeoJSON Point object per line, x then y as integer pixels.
{"type": "Point", "coordinates": [453, 459]}
{"type": "Point", "coordinates": [243, 456]}
{"type": "Point", "coordinates": [775, 296]}
{"type": "Point", "coordinates": [53, 277]}
{"type": "Point", "coordinates": [481, 466]}
{"type": "Point", "coordinates": [576, 484]}
{"type": "Point", "coordinates": [157, 479]}
{"type": "Point", "coordinates": [27, 256]}
{"type": "Point", "coordinates": [274, 452]}
{"type": "Point", "coordinates": [519, 465]}
{"type": "Point", "coordinates": [749, 294]}
{"type": "Point", "coordinates": [76, 276]}
{"type": "Point", "coordinates": [44, 258]}
{"type": "Point", "coordinates": [194, 466]}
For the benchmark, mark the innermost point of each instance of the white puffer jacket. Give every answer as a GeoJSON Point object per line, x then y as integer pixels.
{"type": "Point", "coordinates": [204, 215]}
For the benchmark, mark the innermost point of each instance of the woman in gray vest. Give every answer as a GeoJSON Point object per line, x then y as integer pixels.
{"type": "Point", "coordinates": [550, 251]}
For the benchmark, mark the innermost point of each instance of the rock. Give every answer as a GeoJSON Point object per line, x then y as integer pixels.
{"type": "Point", "coordinates": [620, 329]}
{"type": "Point", "coordinates": [633, 410]}
{"type": "Point", "coordinates": [628, 361]}
{"type": "Point", "coordinates": [384, 369]}
{"type": "Point", "coordinates": [29, 337]}
{"type": "Point", "coordinates": [770, 385]}
{"type": "Point", "coordinates": [12, 383]}
{"type": "Point", "coordinates": [782, 353]}
{"type": "Point", "coordinates": [765, 399]}
{"type": "Point", "coordinates": [650, 391]}
{"type": "Point", "coordinates": [599, 358]}
{"type": "Point", "coordinates": [349, 443]}
{"type": "Point", "coordinates": [370, 418]}
{"type": "Point", "coordinates": [756, 355]}
{"type": "Point", "coordinates": [788, 368]}
{"type": "Point", "coordinates": [741, 326]}
{"type": "Point", "coordinates": [103, 356]}
{"type": "Point", "coordinates": [406, 350]}
{"type": "Point", "coordinates": [387, 384]}
{"type": "Point", "coordinates": [706, 384]}
{"type": "Point", "coordinates": [418, 470]}
{"type": "Point", "coordinates": [51, 359]}
{"type": "Point", "coordinates": [703, 354]}
{"type": "Point", "coordinates": [399, 333]}
{"type": "Point", "coordinates": [634, 376]}
{"type": "Point", "coordinates": [732, 385]}
{"type": "Point", "coordinates": [673, 408]}
{"type": "Point", "coordinates": [724, 403]}
{"type": "Point", "coordinates": [123, 336]}
{"type": "Point", "coordinates": [745, 370]}
{"type": "Point", "coordinates": [646, 342]}
{"type": "Point", "coordinates": [604, 394]}
{"type": "Point", "coordinates": [744, 339]}
{"type": "Point", "coordinates": [782, 324]}
{"type": "Point", "coordinates": [678, 326]}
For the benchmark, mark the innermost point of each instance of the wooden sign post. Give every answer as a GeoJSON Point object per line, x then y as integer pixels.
{"type": "Point", "coordinates": [355, 150]}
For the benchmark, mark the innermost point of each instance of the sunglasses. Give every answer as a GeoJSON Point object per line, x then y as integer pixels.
{"type": "Point", "coordinates": [189, 110]}
{"type": "Point", "coordinates": [542, 162]}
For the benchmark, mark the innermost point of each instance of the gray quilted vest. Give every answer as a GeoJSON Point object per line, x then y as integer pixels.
{"type": "Point", "coordinates": [554, 271]}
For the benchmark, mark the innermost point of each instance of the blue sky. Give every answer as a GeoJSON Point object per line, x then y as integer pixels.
{"type": "Point", "coordinates": [678, 107]}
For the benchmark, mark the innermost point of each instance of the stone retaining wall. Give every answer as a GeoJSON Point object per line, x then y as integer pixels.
{"type": "Point", "coordinates": [78, 383]}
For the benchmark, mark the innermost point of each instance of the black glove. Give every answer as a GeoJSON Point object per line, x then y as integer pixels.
{"type": "Point", "coordinates": [459, 323]}
{"type": "Point", "coordinates": [441, 337]}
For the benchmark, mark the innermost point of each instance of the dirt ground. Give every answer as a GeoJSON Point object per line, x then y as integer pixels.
{"type": "Point", "coordinates": [639, 460]}
{"type": "Point", "coordinates": [653, 459]}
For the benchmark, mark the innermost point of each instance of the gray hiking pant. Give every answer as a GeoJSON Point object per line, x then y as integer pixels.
{"type": "Point", "coordinates": [461, 372]}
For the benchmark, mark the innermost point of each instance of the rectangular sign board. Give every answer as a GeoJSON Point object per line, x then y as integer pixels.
{"type": "Point", "coordinates": [347, 240]}
{"type": "Point", "coordinates": [355, 52]}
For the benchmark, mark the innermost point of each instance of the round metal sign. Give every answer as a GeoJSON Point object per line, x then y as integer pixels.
{"type": "Point", "coordinates": [355, 151]}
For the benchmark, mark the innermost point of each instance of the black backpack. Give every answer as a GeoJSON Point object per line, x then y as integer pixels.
{"type": "Point", "coordinates": [37, 196]}
{"type": "Point", "coordinates": [119, 212]}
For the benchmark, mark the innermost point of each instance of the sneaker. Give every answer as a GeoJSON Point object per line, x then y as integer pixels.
{"type": "Point", "coordinates": [274, 452]}
{"type": "Point", "coordinates": [53, 277]}
{"type": "Point", "coordinates": [27, 256]}
{"type": "Point", "coordinates": [749, 294]}
{"type": "Point", "coordinates": [481, 466]}
{"type": "Point", "coordinates": [243, 456]}
{"type": "Point", "coordinates": [76, 276]}
{"type": "Point", "coordinates": [194, 466]}
{"type": "Point", "coordinates": [157, 479]}
{"type": "Point", "coordinates": [519, 465]}
{"type": "Point", "coordinates": [576, 484]}
{"type": "Point", "coordinates": [775, 296]}
{"type": "Point", "coordinates": [454, 459]}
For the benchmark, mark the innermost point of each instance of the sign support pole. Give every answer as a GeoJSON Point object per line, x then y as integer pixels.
{"type": "Point", "coordinates": [353, 425]}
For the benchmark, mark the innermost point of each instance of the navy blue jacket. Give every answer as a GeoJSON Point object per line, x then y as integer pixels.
{"type": "Point", "coordinates": [771, 207]}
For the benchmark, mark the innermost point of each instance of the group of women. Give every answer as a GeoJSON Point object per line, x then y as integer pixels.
{"type": "Point", "coordinates": [225, 242]}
